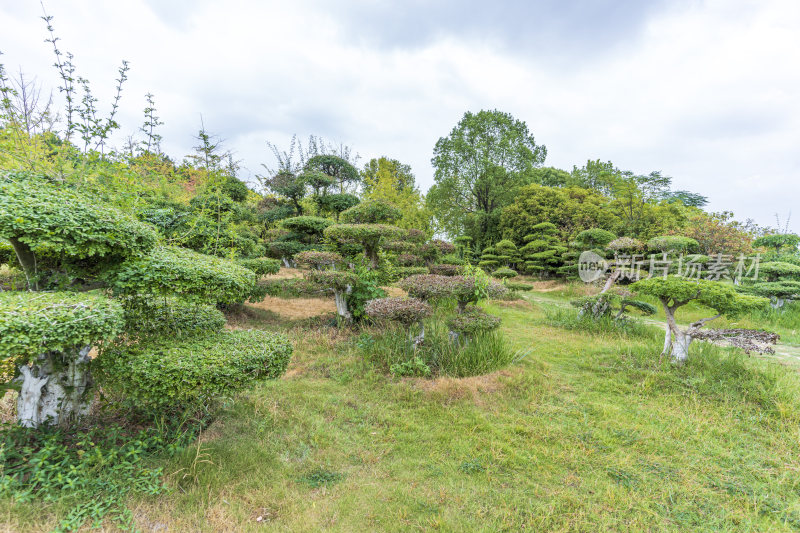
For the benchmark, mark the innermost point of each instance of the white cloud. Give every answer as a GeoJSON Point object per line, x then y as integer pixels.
{"type": "Point", "coordinates": [704, 91]}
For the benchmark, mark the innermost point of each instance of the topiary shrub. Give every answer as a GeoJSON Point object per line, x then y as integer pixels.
{"type": "Point", "coordinates": [416, 236]}
{"type": "Point", "coordinates": [371, 212]}
{"type": "Point", "coordinates": [406, 311]}
{"type": "Point", "coordinates": [319, 260]}
{"type": "Point", "coordinates": [340, 282]}
{"type": "Point", "coordinates": [369, 236]}
{"type": "Point", "coordinates": [171, 317]}
{"type": "Point", "coordinates": [472, 321]}
{"type": "Point", "coordinates": [594, 238]}
{"type": "Point", "coordinates": [504, 273]}
{"type": "Point", "coordinates": [407, 260]}
{"type": "Point", "coordinates": [336, 203]}
{"type": "Point", "coordinates": [673, 244]}
{"type": "Point", "coordinates": [52, 227]}
{"type": "Point", "coordinates": [626, 245]}
{"type": "Point", "coordinates": [170, 270]}
{"type": "Point", "coordinates": [446, 270]}
{"type": "Point", "coordinates": [311, 228]}
{"type": "Point", "coordinates": [262, 266]}
{"type": "Point", "coordinates": [443, 246]}
{"type": "Point", "coordinates": [48, 336]}
{"type": "Point", "coordinates": [514, 286]}
{"type": "Point", "coordinates": [168, 376]}
{"type": "Point", "coordinates": [404, 272]}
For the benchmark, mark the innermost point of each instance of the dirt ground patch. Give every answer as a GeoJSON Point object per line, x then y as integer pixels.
{"type": "Point", "coordinates": [296, 308]}
{"type": "Point", "coordinates": [285, 273]}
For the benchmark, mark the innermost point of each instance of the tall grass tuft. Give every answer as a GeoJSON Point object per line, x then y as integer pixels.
{"type": "Point", "coordinates": [604, 325]}
{"type": "Point", "coordinates": [438, 353]}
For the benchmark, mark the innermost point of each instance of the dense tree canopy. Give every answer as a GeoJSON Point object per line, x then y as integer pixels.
{"type": "Point", "coordinates": [477, 170]}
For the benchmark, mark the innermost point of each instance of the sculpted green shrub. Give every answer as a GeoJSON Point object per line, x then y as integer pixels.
{"type": "Point", "coordinates": [446, 270]}
{"type": "Point", "coordinates": [370, 236]}
{"type": "Point", "coordinates": [310, 227]}
{"type": "Point", "coordinates": [371, 212]}
{"type": "Point", "coordinates": [780, 243]}
{"type": "Point", "coordinates": [407, 260]}
{"type": "Point", "coordinates": [48, 224]}
{"type": "Point", "coordinates": [504, 273]}
{"type": "Point", "coordinates": [404, 272]}
{"type": "Point", "coordinates": [170, 270]}
{"type": "Point", "coordinates": [472, 321]}
{"type": "Point", "coordinates": [167, 375]}
{"type": "Point", "coordinates": [171, 317]}
{"type": "Point", "coordinates": [262, 266]}
{"type": "Point", "coordinates": [46, 337]}
{"type": "Point", "coordinates": [673, 243]}
{"type": "Point", "coordinates": [32, 323]}
{"type": "Point", "coordinates": [319, 260]}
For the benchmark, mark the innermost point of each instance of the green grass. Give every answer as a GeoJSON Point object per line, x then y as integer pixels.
{"type": "Point", "coordinates": [590, 432]}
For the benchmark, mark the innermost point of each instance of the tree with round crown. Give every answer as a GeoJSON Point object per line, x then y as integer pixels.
{"type": "Point", "coordinates": [675, 292]}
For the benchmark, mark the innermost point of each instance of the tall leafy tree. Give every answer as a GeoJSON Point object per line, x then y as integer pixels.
{"type": "Point", "coordinates": [390, 181]}
{"type": "Point", "coordinates": [477, 169]}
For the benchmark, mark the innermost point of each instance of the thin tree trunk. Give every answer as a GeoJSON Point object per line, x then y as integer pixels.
{"type": "Point", "coordinates": [27, 259]}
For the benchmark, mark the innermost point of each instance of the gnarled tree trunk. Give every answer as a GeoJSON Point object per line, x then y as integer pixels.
{"type": "Point", "coordinates": [340, 297]}
{"type": "Point", "coordinates": [55, 390]}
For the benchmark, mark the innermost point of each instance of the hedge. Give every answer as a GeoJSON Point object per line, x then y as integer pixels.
{"type": "Point", "coordinates": [171, 317]}
{"type": "Point", "coordinates": [170, 270]}
{"type": "Point", "coordinates": [188, 373]}
{"type": "Point", "coordinates": [261, 265]}
{"type": "Point", "coordinates": [35, 322]}
{"type": "Point", "coordinates": [57, 220]}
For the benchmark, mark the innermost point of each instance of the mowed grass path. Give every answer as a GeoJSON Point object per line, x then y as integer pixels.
{"type": "Point", "coordinates": [587, 433]}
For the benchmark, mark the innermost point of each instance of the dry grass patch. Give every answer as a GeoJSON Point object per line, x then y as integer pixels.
{"type": "Point", "coordinates": [475, 388]}
{"type": "Point", "coordinates": [285, 273]}
{"type": "Point", "coordinates": [296, 308]}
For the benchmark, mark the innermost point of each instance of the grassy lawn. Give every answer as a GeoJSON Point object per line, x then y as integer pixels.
{"type": "Point", "coordinates": [586, 433]}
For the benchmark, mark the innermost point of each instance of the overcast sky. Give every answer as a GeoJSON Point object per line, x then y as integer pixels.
{"type": "Point", "coordinates": [705, 91]}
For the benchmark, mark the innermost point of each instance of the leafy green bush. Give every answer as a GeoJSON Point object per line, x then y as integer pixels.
{"type": "Point", "coordinates": [310, 227]}
{"type": "Point", "coordinates": [504, 273]}
{"type": "Point", "coordinates": [90, 472]}
{"type": "Point", "coordinates": [603, 325]}
{"type": "Point", "coordinates": [371, 212]}
{"type": "Point", "coordinates": [594, 237]}
{"type": "Point", "coordinates": [673, 243]}
{"type": "Point", "coordinates": [404, 272]}
{"type": "Point", "coordinates": [56, 220]}
{"type": "Point", "coordinates": [7, 254]}
{"type": "Point", "coordinates": [170, 270]}
{"type": "Point", "coordinates": [367, 287]}
{"type": "Point", "coordinates": [446, 270]}
{"type": "Point", "coordinates": [171, 317]}
{"type": "Point", "coordinates": [167, 375]}
{"type": "Point", "coordinates": [473, 321]}
{"type": "Point", "coordinates": [35, 322]}
{"type": "Point", "coordinates": [262, 266]}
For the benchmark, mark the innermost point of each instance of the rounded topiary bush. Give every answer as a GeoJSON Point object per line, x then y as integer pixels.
{"type": "Point", "coordinates": [626, 245]}
{"type": "Point", "coordinates": [446, 270]}
{"type": "Point", "coordinates": [338, 280]}
{"type": "Point", "coordinates": [168, 375]}
{"type": "Point", "coordinates": [409, 260]}
{"type": "Point", "coordinates": [309, 227]}
{"type": "Point", "coordinates": [403, 310]}
{"type": "Point", "coordinates": [400, 247]}
{"type": "Point", "coordinates": [371, 212]}
{"type": "Point", "coordinates": [170, 270]}
{"type": "Point", "coordinates": [171, 317]}
{"type": "Point", "coordinates": [262, 266]}
{"type": "Point", "coordinates": [415, 235]}
{"type": "Point", "coordinates": [472, 321]}
{"type": "Point", "coordinates": [47, 338]}
{"type": "Point", "coordinates": [32, 323]}
{"type": "Point", "coordinates": [318, 260]}
{"type": "Point", "coordinates": [673, 243]}
{"type": "Point", "coordinates": [504, 273]}
{"type": "Point", "coordinates": [429, 286]}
